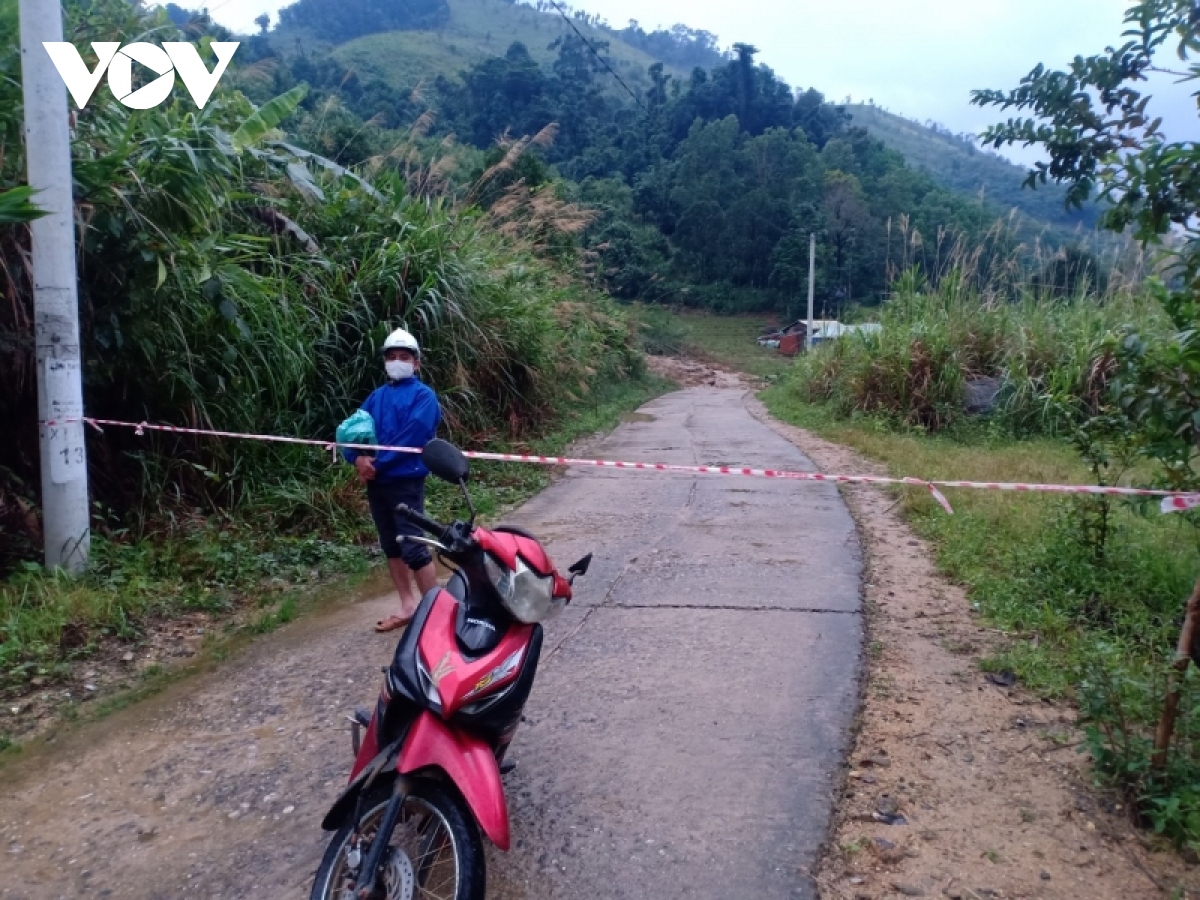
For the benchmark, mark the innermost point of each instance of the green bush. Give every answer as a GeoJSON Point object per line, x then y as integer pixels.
{"type": "Point", "coordinates": [1120, 697]}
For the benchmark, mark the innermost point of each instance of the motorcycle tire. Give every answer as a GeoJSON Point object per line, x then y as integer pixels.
{"type": "Point", "coordinates": [455, 820]}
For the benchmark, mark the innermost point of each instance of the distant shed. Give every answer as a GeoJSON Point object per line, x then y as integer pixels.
{"type": "Point", "coordinates": [791, 341]}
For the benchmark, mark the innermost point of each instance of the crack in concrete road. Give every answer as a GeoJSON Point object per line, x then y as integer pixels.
{"type": "Point", "coordinates": [631, 566]}
{"type": "Point", "coordinates": [674, 746]}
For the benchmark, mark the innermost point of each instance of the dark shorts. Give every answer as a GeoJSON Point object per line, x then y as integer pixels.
{"type": "Point", "coordinates": [384, 497]}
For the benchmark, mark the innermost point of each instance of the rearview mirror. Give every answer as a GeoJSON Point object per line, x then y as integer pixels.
{"type": "Point", "coordinates": [581, 568]}
{"type": "Point", "coordinates": [446, 461]}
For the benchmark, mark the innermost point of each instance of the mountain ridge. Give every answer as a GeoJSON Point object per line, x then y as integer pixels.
{"type": "Point", "coordinates": [958, 163]}
{"type": "Point", "coordinates": [471, 31]}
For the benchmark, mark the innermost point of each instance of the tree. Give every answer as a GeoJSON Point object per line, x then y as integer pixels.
{"type": "Point", "coordinates": [819, 120]}
{"type": "Point", "coordinates": [263, 22]}
{"type": "Point", "coordinates": [1094, 122]}
{"type": "Point", "coordinates": [680, 46]}
{"type": "Point", "coordinates": [507, 94]}
{"type": "Point", "coordinates": [178, 15]}
{"type": "Point", "coordinates": [848, 227]}
{"type": "Point", "coordinates": [727, 166]}
{"type": "Point", "coordinates": [657, 95]}
{"type": "Point", "coordinates": [743, 71]}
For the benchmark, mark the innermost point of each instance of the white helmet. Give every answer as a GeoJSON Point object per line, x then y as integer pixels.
{"type": "Point", "coordinates": [402, 340]}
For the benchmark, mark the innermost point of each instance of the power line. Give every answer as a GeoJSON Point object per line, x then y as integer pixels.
{"type": "Point", "coordinates": [595, 53]}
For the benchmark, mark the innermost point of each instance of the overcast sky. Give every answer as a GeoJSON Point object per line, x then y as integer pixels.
{"type": "Point", "coordinates": [919, 58]}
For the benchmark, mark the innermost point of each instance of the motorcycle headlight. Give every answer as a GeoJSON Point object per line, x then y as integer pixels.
{"type": "Point", "coordinates": [528, 596]}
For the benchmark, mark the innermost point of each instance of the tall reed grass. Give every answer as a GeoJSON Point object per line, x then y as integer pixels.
{"type": "Point", "coordinates": [229, 279]}
{"type": "Point", "coordinates": [981, 315]}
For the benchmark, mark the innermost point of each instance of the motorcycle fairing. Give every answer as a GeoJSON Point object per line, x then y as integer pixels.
{"type": "Point", "coordinates": [458, 679]}
{"type": "Point", "coordinates": [468, 762]}
{"type": "Point", "coordinates": [479, 631]}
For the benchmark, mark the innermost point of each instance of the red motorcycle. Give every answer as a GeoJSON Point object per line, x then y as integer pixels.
{"type": "Point", "coordinates": [427, 774]}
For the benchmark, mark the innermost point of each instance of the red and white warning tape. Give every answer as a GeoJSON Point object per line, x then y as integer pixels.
{"type": "Point", "coordinates": [1172, 501]}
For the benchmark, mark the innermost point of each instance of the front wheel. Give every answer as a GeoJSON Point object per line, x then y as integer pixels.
{"type": "Point", "coordinates": [435, 852]}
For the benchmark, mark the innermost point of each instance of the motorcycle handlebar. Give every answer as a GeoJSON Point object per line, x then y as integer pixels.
{"type": "Point", "coordinates": [418, 519]}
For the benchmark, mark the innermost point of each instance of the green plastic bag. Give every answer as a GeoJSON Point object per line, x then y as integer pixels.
{"type": "Point", "coordinates": [358, 429]}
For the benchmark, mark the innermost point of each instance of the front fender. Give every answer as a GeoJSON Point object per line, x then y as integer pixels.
{"type": "Point", "coordinates": [468, 762]}
{"type": "Point", "coordinates": [381, 766]}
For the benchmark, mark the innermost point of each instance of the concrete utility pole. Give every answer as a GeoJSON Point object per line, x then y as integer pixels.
{"type": "Point", "coordinates": [56, 294]}
{"type": "Point", "coordinates": [812, 287]}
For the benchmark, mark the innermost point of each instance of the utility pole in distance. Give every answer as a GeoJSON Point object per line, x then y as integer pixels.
{"type": "Point", "coordinates": [56, 293]}
{"type": "Point", "coordinates": [812, 287]}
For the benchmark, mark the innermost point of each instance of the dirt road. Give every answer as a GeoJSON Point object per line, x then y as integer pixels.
{"type": "Point", "coordinates": [683, 738]}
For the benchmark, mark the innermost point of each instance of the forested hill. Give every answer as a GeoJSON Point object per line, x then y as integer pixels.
{"type": "Point", "coordinates": [409, 43]}
{"type": "Point", "coordinates": [958, 163]}
{"type": "Point", "coordinates": [702, 183]}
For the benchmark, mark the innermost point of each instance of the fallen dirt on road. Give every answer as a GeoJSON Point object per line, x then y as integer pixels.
{"type": "Point", "coordinates": [994, 796]}
{"type": "Point", "coordinates": [694, 373]}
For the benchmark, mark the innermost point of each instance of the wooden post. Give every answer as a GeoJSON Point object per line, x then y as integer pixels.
{"type": "Point", "coordinates": [1183, 655]}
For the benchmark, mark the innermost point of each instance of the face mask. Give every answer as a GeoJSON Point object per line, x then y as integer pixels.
{"type": "Point", "coordinates": [399, 371]}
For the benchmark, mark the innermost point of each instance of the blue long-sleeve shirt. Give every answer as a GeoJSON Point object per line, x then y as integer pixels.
{"type": "Point", "coordinates": [406, 414]}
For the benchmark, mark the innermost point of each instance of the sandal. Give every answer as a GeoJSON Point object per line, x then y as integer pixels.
{"type": "Point", "coordinates": [392, 623]}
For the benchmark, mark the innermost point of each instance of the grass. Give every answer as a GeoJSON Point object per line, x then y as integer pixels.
{"type": "Point", "coordinates": [477, 30]}
{"type": "Point", "coordinates": [218, 646]}
{"type": "Point", "coordinates": [962, 167]}
{"type": "Point", "coordinates": [728, 340]}
{"type": "Point", "coordinates": [1016, 553]}
{"type": "Point", "coordinates": [1045, 353]}
{"type": "Point", "coordinates": [273, 619]}
{"type": "Point", "coordinates": [49, 622]}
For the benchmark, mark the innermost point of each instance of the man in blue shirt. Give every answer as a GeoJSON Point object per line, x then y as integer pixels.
{"type": "Point", "coordinates": [406, 414]}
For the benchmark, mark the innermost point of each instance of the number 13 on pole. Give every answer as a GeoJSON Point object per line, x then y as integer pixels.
{"type": "Point", "coordinates": [68, 456]}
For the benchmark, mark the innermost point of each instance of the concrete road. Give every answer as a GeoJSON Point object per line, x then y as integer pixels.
{"type": "Point", "coordinates": [682, 739]}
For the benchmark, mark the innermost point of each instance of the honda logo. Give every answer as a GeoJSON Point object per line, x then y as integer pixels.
{"type": "Point", "coordinates": [171, 59]}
